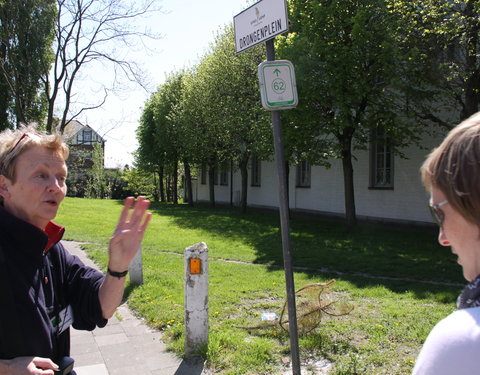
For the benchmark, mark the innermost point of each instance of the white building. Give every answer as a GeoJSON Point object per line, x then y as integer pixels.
{"type": "Point", "coordinates": [387, 187]}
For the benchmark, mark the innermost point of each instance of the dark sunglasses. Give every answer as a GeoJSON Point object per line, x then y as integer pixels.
{"type": "Point", "coordinates": [437, 213]}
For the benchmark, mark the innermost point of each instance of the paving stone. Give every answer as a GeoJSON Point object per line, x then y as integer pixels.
{"type": "Point", "coordinates": [125, 346]}
{"type": "Point", "coordinates": [106, 340]}
{"type": "Point", "coordinates": [92, 370]}
{"type": "Point", "coordinates": [87, 359]}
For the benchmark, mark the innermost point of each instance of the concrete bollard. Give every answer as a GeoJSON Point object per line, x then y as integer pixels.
{"type": "Point", "coordinates": [196, 297]}
{"type": "Point", "coordinates": [136, 269]}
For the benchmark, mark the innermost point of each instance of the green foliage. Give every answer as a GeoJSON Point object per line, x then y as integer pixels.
{"type": "Point", "coordinates": [87, 176]}
{"type": "Point", "coordinates": [26, 36]}
{"type": "Point", "coordinates": [353, 78]}
{"type": "Point", "coordinates": [231, 93]}
{"type": "Point", "coordinates": [97, 184]}
{"type": "Point", "coordinates": [449, 32]}
{"type": "Point", "coordinates": [139, 182]}
{"type": "Point", "coordinates": [347, 63]}
{"type": "Point", "coordinates": [209, 116]}
{"type": "Point", "coordinates": [148, 156]}
{"type": "Point", "coordinates": [160, 133]}
{"type": "Point", "coordinates": [115, 180]}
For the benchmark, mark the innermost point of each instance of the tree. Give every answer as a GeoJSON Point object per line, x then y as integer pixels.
{"type": "Point", "coordinates": [89, 31]}
{"type": "Point", "coordinates": [139, 182]}
{"type": "Point", "coordinates": [181, 131]}
{"type": "Point", "coordinates": [238, 105]}
{"type": "Point", "coordinates": [228, 113]}
{"type": "Point", "coordinates": [347, 63]}
{"type": "Point", "coordinates": [202, 138]}
{"type": "Point", "coordinates": [167, 132]}
{"type": "Point", "coordinates": [161, 145]}
{"type": "Point", "coordinates": [149, 157]}
{"type": "Point", "coordinates": [449, 32]}
{"type": "Point", "coordinates": [26, 36]}
{"type": "Point", "coordinates": [97, 184]}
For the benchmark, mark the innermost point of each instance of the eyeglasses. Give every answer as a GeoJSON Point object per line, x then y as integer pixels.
{"type": "Point", "coordinates": [24, 136]}
{"type": "Point", "coordinates": [437, 213]}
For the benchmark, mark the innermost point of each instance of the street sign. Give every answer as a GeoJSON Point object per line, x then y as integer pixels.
{"type": "Point", "coordinates": [278, 88]}
{"type": "Point", "coordinates": [259, 23]}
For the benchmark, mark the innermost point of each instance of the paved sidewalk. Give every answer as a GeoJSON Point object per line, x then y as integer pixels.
{"type": "Point", "coordinates": [125, 346]}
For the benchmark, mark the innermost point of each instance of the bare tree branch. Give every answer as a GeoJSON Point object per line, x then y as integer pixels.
{"type": "Point", "coordinates": [90, 31]}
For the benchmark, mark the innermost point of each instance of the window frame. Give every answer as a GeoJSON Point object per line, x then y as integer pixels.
{"type": "Point", "coordinates": [89, 139]}
{"type": "Point", "coordinates": [382, 161]}
{"type": "Point", "coordinates": [303, 174]}
{"type": "Point", "coordinates": [255, 171]}
{"type": "Point", "coordinates": [224, 174]}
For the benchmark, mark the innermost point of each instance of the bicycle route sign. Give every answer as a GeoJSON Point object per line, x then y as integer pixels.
{"type": "Point", "coordinates": [278, 88]}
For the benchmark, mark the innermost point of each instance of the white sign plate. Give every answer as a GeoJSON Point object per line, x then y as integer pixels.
{"type": "Point", "coordinates": [259, 23]}
{"type": "Point", "coordinates": [278, 87]}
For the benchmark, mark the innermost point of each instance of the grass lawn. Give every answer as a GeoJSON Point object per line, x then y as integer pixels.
{"type": "Point", "coordinates": [381, 335]}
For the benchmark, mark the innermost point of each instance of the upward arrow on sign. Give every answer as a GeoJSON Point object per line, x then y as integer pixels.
{"type": "Point", "coordinates": [277, 72]}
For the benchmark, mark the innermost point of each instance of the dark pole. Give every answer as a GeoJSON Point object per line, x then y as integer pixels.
{"type": "Point", "coordinates": [285, 227]}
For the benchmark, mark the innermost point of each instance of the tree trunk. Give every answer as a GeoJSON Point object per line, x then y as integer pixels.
{"type": "Point", "coordinates": [155, 182]}
{"type": "Point", "coordinates": [175, 182]}
{"type": "Point", "coordinates": [169, 187]}
{"type": "Point", "coordinates": [4, 96]}
{"type": "Point", "coordinates": [243, 165]}
{"type": "Point", "coordinates": [188, 183]}
{"type": "Point", "coordinates": [350, 213]}
{"type": "Point", "coordinates": [19, 110]}
{"type": "Point", "coordinates": [211, 185]}
{"type": "Point", "coordinates": [161, 182]}
{"type": "Point", "coordinates": [472, 81]}
{"type": "Point", "coordinates": [231, 183]}
{"type": "Point", "coordinates": [51, 97]}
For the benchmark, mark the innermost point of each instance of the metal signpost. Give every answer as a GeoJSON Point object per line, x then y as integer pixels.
{"type": "Point", "coordinates": [257, 24]}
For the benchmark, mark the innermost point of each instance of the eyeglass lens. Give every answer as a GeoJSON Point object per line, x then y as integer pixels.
{"type": "Point", "coordinates": [437, 215]}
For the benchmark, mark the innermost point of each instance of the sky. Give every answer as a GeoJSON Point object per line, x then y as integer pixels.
{"type": "Point", "coordinates": [187, 27]}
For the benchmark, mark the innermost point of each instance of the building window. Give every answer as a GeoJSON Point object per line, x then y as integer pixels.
{"type": "Point", "coordinates": [303, 174]}
{"type": "Point", "coordinates": [381, 161]}
{"type": "Point", "coordinates": [224, 174]}
{"type": "Point", "coordinates": [87, 136]}
{"type": "Point", "coordinates": [256, 170]}
{"type": "Point", "coordinates": [203, 174]}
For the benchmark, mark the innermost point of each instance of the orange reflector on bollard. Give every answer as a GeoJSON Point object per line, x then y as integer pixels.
{"type": "Point", "coordinates": [195, 266]}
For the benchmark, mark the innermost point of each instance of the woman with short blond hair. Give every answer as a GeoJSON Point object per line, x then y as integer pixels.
{"type": "Point", "coordinates": [44, 289]}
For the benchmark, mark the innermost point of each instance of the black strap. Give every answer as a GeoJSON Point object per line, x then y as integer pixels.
{"type": "Point", "coordinates": [9, 323]}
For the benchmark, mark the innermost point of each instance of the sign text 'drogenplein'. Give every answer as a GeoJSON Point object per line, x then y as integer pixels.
{"type": "Point", "coordinates": [259, 23]}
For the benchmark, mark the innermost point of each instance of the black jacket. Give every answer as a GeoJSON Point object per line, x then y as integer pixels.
{"type": "Point", "coordinates": [42, 285]}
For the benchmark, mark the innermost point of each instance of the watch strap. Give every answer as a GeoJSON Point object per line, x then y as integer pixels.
{"type": "Point", "coordinates": [117, 274]}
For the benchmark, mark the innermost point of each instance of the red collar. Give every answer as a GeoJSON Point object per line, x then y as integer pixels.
{"type": "Point", "coordinates": [54, 233]}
